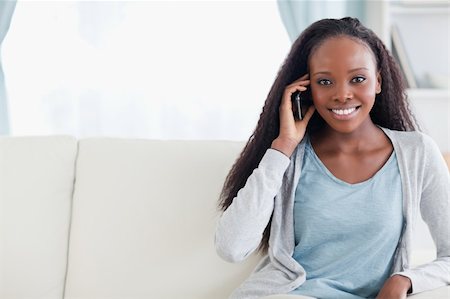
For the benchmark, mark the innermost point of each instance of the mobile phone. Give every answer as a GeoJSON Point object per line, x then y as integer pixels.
{"type": "Point", "coordinates": [300, 103]}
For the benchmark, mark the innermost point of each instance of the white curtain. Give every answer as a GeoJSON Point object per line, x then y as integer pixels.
{"type": "Point", "coordinates": [158, 69]}
{"type": "Point", "coordinates": [299, 14]}
{"type": "Point", "coordinates": [6, 12]}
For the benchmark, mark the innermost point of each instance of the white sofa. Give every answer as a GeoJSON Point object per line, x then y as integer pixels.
{"type": "Point", "coordinates": [111, 218]}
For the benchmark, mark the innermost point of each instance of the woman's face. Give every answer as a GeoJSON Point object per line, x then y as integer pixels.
{"type": "Point", "coordinates": [344, 82]}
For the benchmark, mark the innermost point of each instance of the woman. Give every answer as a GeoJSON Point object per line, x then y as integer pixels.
{"type": "Point", "coordinates": [332, 199]}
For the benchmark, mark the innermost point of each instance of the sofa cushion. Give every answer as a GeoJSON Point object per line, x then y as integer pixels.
{"type": "Point", "coordinates": [36, 185]}
{"type": "Point", "coordinates": [144, 217]}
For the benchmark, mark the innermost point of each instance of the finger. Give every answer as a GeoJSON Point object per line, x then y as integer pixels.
{"type": "Point", "coordinates": [304, 76]}
{"type": "Point", "coordinates": [300, 82]}
{"type": "Point", "coordinates": [295, 88]}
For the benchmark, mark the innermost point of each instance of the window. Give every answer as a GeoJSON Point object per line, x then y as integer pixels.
{"type": "Point", "coordinates": [162, 70]}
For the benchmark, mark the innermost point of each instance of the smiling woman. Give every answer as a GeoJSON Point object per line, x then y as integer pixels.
{"type": "Point", "coordinates": [330, 199]}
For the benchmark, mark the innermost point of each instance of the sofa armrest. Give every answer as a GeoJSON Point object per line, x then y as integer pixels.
{"type": "Point", "coordinates": [439, 293]}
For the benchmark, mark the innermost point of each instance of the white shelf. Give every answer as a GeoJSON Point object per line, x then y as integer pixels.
{"type": "Point", "coordinates": [419, 21]}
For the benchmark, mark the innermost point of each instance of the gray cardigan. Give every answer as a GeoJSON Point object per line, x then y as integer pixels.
{"type": "Point", "coordinates": [270, 190]}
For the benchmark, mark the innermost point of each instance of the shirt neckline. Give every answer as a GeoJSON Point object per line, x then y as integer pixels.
{"type": "Point", "coordinates": [338, 180]}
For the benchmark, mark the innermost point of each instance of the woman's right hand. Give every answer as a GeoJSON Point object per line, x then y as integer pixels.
{"type": "Point", "coordinates": [292, 131]}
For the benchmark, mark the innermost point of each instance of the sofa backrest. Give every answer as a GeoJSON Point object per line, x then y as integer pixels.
{"type": "Point", "coordinates": [36, 185]}
{"type": "Point", "coordinates": [144, 216]}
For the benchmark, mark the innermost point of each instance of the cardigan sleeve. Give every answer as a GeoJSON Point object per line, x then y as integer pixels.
{"type": "Point", "coordinates": [435, 211]}
{"type": "Point", "coordinates": [240, 228]}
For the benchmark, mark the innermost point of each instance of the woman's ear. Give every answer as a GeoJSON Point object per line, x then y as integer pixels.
{"type": "Point", "coordinates": [378, 85]}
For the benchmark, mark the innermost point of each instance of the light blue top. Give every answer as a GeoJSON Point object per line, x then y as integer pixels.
{"type": "Point", "coordinates": [346, 234]}
{"type": "Point", "coordinates": [268, 197]}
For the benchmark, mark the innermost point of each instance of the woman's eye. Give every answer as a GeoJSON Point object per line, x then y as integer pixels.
{"type": "Point", "coordinates": [324, 82]}
{"type": "Point", "coordinates": [358, 79]}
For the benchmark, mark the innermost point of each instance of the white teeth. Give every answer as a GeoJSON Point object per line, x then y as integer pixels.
{"type": "Point", "coordinates": [344, 111]}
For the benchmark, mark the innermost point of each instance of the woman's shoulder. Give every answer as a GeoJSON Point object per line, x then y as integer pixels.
{"type": "Point", "coordinates": [409, 138]}
{"type": "Point", "coordinates": [414, 144]}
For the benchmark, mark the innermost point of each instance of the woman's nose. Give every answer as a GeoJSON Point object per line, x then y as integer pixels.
{"type": "Point", "coordinates": [343, 93]}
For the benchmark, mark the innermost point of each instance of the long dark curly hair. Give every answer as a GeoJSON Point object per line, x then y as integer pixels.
{"type": "Point", "coordinates": [391, 109]}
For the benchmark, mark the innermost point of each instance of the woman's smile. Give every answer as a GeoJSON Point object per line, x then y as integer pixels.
{"type": "Point", "coordinates": [344, 113]}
